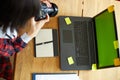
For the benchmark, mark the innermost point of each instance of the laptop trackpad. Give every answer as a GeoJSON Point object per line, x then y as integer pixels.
{"type": "Point", "coordinates": [67, 36]}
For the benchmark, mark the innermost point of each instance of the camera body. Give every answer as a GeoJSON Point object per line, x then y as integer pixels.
{"type": "Point", "coordinates": [44, 10]}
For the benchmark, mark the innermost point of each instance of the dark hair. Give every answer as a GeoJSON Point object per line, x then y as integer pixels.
{"type": "Point", "coordinates": [17, 12]}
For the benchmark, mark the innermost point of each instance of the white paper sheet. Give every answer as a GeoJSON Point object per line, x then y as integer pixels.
{"type": "Point", "coordinates": [56, 77]}
{"type": "Point", "coordinates": [44, 35]}
{"type": "Point", "coordinates": [45, 50]}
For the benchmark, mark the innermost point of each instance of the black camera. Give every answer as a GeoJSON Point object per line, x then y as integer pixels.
{"type": "Point", "coordinates": [44, 10]}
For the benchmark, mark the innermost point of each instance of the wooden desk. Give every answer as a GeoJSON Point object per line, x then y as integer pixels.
{"type": "Point", "coordinates": [26, 63]}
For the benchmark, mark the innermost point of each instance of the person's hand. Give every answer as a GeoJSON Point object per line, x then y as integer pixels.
{"type": "Point", "coordinates": [36, 26]}
{"type": "Point", "coordinates": [47, 2]}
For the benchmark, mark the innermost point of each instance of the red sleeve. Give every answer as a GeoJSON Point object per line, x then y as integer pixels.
{"type": "Point", "coordinates": [9, 47]}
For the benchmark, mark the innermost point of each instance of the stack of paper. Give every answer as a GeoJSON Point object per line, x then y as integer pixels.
{"type": "Point", "coordinates": [44, 43]}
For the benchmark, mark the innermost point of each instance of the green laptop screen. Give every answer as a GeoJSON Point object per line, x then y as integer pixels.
{"type": "Point", "coordinates": [106, 35]}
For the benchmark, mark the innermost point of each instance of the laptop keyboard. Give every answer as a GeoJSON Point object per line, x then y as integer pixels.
{"type": "Point", "coordinates": [81, 42]}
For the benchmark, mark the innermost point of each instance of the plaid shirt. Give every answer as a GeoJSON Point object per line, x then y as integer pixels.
{"type": "Point", "coordinates": [9, 47]}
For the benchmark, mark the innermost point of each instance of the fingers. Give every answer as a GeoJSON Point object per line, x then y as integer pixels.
{"type": "Point", "coordinates": [48, 18]}
{"type": "Point", "coordinates": [45, 20]}
{"type": "Point", "coordinates": [39, 24]}
{"type": "Point", "coordinates": [33, 20]}
{"type": "Point", "coordinates": [47, 2]}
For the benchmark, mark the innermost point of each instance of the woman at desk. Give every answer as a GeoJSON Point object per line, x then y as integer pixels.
{"type": "Point", "coordinates": [14, 15]}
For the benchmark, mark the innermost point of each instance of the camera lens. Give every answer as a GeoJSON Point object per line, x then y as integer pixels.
{"type": "Point", "coordinates": [54, 10]}
{"type": "Point", "coordinates": [44, 10]}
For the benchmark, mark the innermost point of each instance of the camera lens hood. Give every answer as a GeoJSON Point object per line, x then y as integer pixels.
{"type": "Point", "coordinates": [55, 10]}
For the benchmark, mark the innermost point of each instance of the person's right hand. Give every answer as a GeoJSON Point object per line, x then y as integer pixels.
{"type": "Point", "coordinates": [36, 26]}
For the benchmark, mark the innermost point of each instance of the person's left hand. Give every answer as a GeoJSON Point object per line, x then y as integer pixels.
{"type": "Point", "coordinates": [47, 2]}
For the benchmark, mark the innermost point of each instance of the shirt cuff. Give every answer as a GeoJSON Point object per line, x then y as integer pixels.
{"type": "Point", "coordinates": [25, 38]}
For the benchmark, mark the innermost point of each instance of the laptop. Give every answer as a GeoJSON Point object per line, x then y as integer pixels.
{"type": "Point", "coordinates": [88, 42]}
